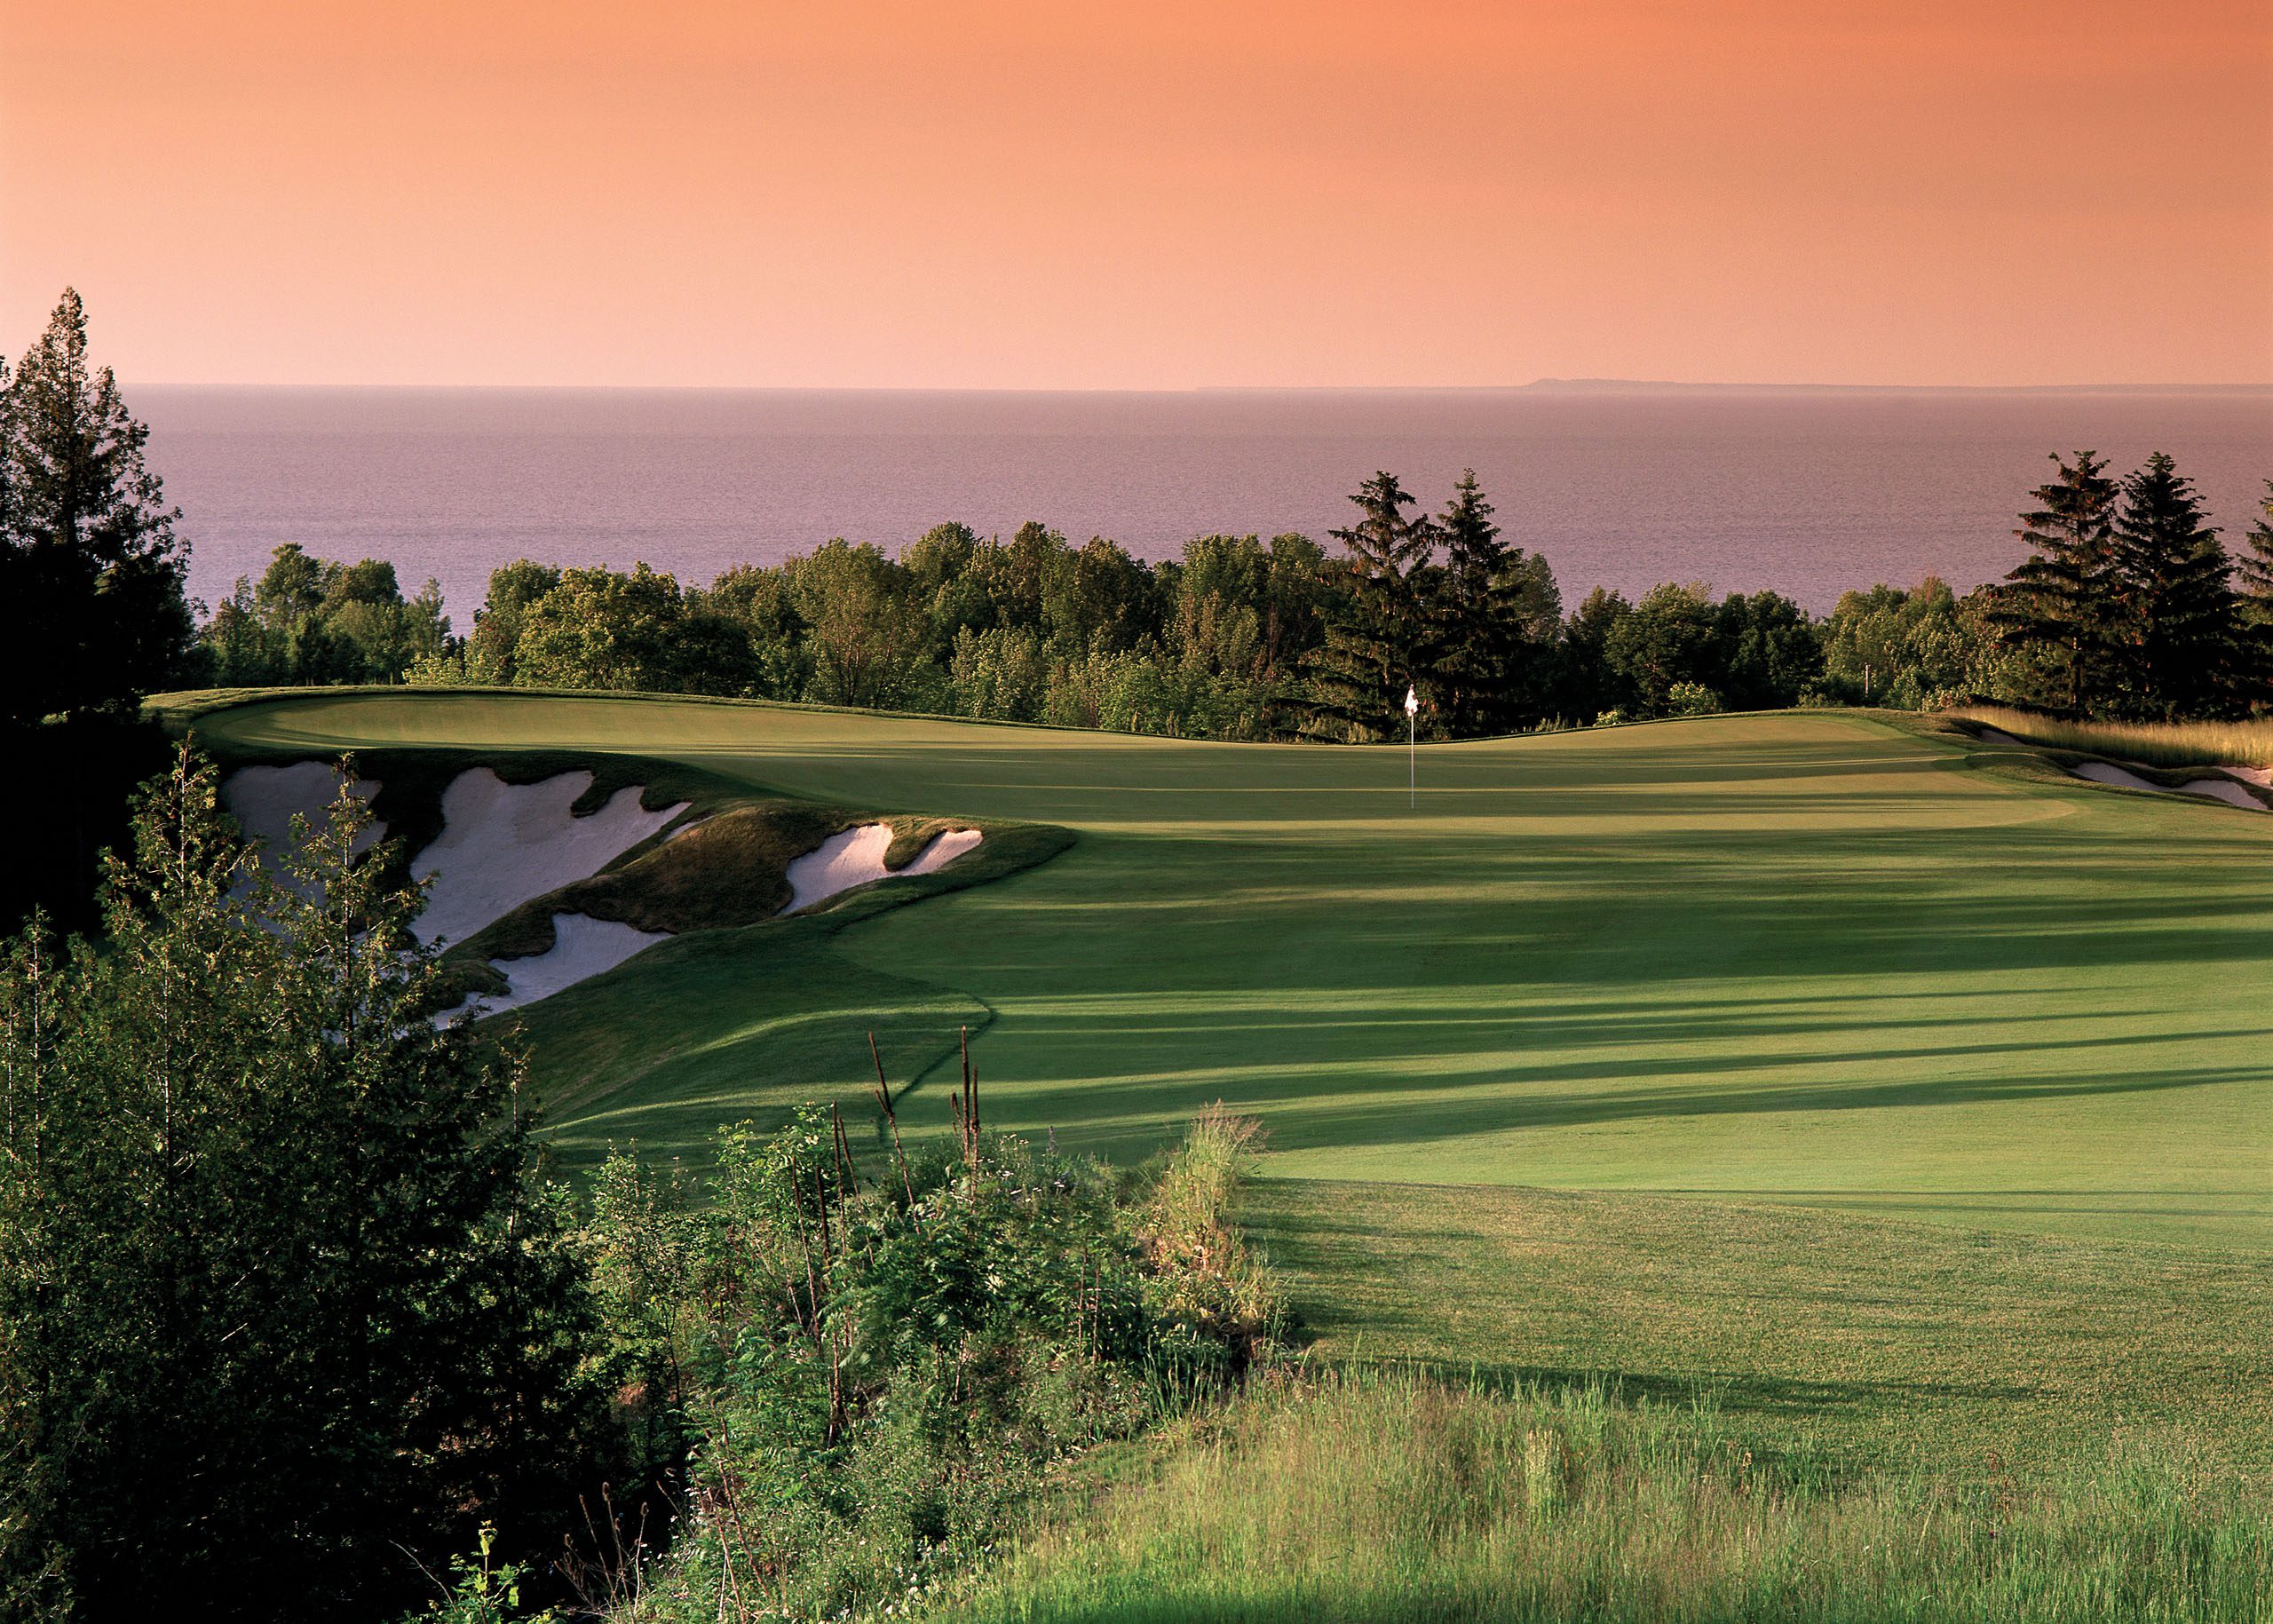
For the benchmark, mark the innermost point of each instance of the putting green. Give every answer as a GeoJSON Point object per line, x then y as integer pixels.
{"type": "Point", "coordinates": [1815, 957]}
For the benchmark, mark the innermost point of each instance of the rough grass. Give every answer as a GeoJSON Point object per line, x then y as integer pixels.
{"type": "Point", "coordinates": [2162, 744]}
{"type": "Point", "coordinates": [1390, 1497]}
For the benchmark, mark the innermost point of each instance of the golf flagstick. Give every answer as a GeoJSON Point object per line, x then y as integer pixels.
{"type": "Point", "coordinates": [1412, 747]}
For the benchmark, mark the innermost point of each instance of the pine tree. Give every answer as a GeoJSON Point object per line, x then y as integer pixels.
{"type": "Point", "coordinates": [1377, 642]}
{"type": "Point", "coordinates": [2175, 630]}
{"type": "Point", "coordinates": [90, 566]}
{"type": "Point", "coordinates": [2061, 601]}
{"type": "Point", "coordinates": [2253, 604]}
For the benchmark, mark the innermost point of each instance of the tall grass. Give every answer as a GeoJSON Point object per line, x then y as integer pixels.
{"type": "Point", "coordinates": [1196, 1248]}
{"type": "Point", "coordinates": [1386, 1496]}
{"type": "Point", "coordinates": [2163, 744]}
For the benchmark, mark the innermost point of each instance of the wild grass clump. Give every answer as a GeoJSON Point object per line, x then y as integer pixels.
{"type": "Point", "coordinates": [2163, 744]}
{"type": "Point", "coordinates": [1389, 1496]}
{"type": "Point", "coordinates": [864, 1369]}
{"type": "Point", "coordinates": [1215, 1297]}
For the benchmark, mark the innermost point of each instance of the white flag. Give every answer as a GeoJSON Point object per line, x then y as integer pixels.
{"type": "Point", "coordinates": [1412, 703]}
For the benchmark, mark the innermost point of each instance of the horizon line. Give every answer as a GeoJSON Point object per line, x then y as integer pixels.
{"type": "Point", "coordinates": [1543, 385]}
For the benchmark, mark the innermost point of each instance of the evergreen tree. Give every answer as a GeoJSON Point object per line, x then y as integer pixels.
{"type": "Point", "coordinates": [2253, 604]}
{"type": "Point", "coordinates": [90, 567]}
{"type": "Point", "coordinates": [1376, 643]}
{"type": "Point", "coordinates": [2175, 628]}
{"type": "Point", "coordinates": [1472, 637]}
{"type": "Point", "coordinates": [279, 1304]}
{"type": "Point", "coordinates": [8, 543]}
{"type": "Point", "coordinates": [2060, 604]}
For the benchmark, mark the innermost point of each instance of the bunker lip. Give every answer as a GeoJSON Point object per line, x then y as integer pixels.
{"type": "Point", "coordinates": [503, 844]}
{"type": "Point", "coordinates": [855, 857]}
{"type": "Point", "coordinates": [582, 948]}
{"type": "Point", "coordinates": [2214, 789]}
{"type": "Point", "coordinates": [2219, 782]}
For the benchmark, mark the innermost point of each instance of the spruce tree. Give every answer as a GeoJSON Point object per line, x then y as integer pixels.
{"type": "Point", "coordinates": [1471, 641]}
{"type": "Point", "coordinates": [90, 566]}
{"type": "Point", "coordinates": [2253, 606]}
{"type": "Point", "coordinates": [2174, 628]}
{"type": "Point", "coordinates": [1377, 641]}
{"type": "Point", "coordinates": [1495, 608]}
{"type": "Point", "coordinates": [2061, 602]}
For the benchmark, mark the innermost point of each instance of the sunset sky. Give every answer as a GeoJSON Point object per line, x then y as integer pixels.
{"type": "Point", "coordinates": [1075, 196]}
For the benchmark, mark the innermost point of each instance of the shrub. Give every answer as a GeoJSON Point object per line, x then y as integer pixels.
{"type": "Point", "coordinates": [883, 1362]}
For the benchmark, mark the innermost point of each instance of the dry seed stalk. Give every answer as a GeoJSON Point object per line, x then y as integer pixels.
{"type": "Point", "coordinates": [891, 1117]}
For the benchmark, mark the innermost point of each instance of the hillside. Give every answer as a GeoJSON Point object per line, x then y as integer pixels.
{"type": "Point", "coordinates": [1823, 958]}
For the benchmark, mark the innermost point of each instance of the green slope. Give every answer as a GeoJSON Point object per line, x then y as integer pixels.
{"type": "Point", "coordinates": [1871, 1338]}
{"type": "Point", "coordinates": [1812, 957]}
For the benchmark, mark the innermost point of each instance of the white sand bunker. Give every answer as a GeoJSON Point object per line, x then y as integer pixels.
{"type": "Point", "coordinates": [2217, 789]}
{"type": "Point", "coordinates": [264, 801]}
{"type": "Point", "coordinates": [857, 858]}
{"type": "Point", "coordinates": [1993, 735]}
{"type": "Point", "coordinates": [503, 844]}
{"type": "Point", "coordinates": [582, 947]}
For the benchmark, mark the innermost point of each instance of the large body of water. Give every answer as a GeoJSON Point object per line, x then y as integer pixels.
{"type": "Point", "coordinates": [1806, 492]}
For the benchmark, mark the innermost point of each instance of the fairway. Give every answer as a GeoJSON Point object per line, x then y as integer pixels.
{"type": "Point", "coordinates": [1813, 957]}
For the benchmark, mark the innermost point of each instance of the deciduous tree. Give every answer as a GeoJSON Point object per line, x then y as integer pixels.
{"type": "Point", "coordinates": [279, 1302]}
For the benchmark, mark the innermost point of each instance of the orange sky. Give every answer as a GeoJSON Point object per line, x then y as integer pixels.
{"type": "Point", "coordinates": [1069, 194]}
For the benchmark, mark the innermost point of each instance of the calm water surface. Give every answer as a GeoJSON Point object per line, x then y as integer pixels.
{"type": "Point", "coordinates": [1808, 493]}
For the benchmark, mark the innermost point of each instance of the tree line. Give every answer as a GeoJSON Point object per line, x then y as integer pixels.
{"type": "Point", "coordinates": [2129, 603]}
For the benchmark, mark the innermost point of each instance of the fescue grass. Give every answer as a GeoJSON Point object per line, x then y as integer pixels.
{"type": "Point", "coordinates": [2161, 744]}
{"type": "Point", "coordinates": [1391, 1497]}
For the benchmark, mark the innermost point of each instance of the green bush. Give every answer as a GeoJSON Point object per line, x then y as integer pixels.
{"type": "Point", "coordinates": [878, 1363]}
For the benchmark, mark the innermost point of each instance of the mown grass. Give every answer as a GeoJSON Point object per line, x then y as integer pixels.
{"type": "Point", "coordinates": [1846, 1337]}
{"type": "Point", "coordinates": [2162, 744]}
{"type": "Point", "coordinates": [1814, 957]}
{"type": "Point", "coordinates": [1373, 1496]}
